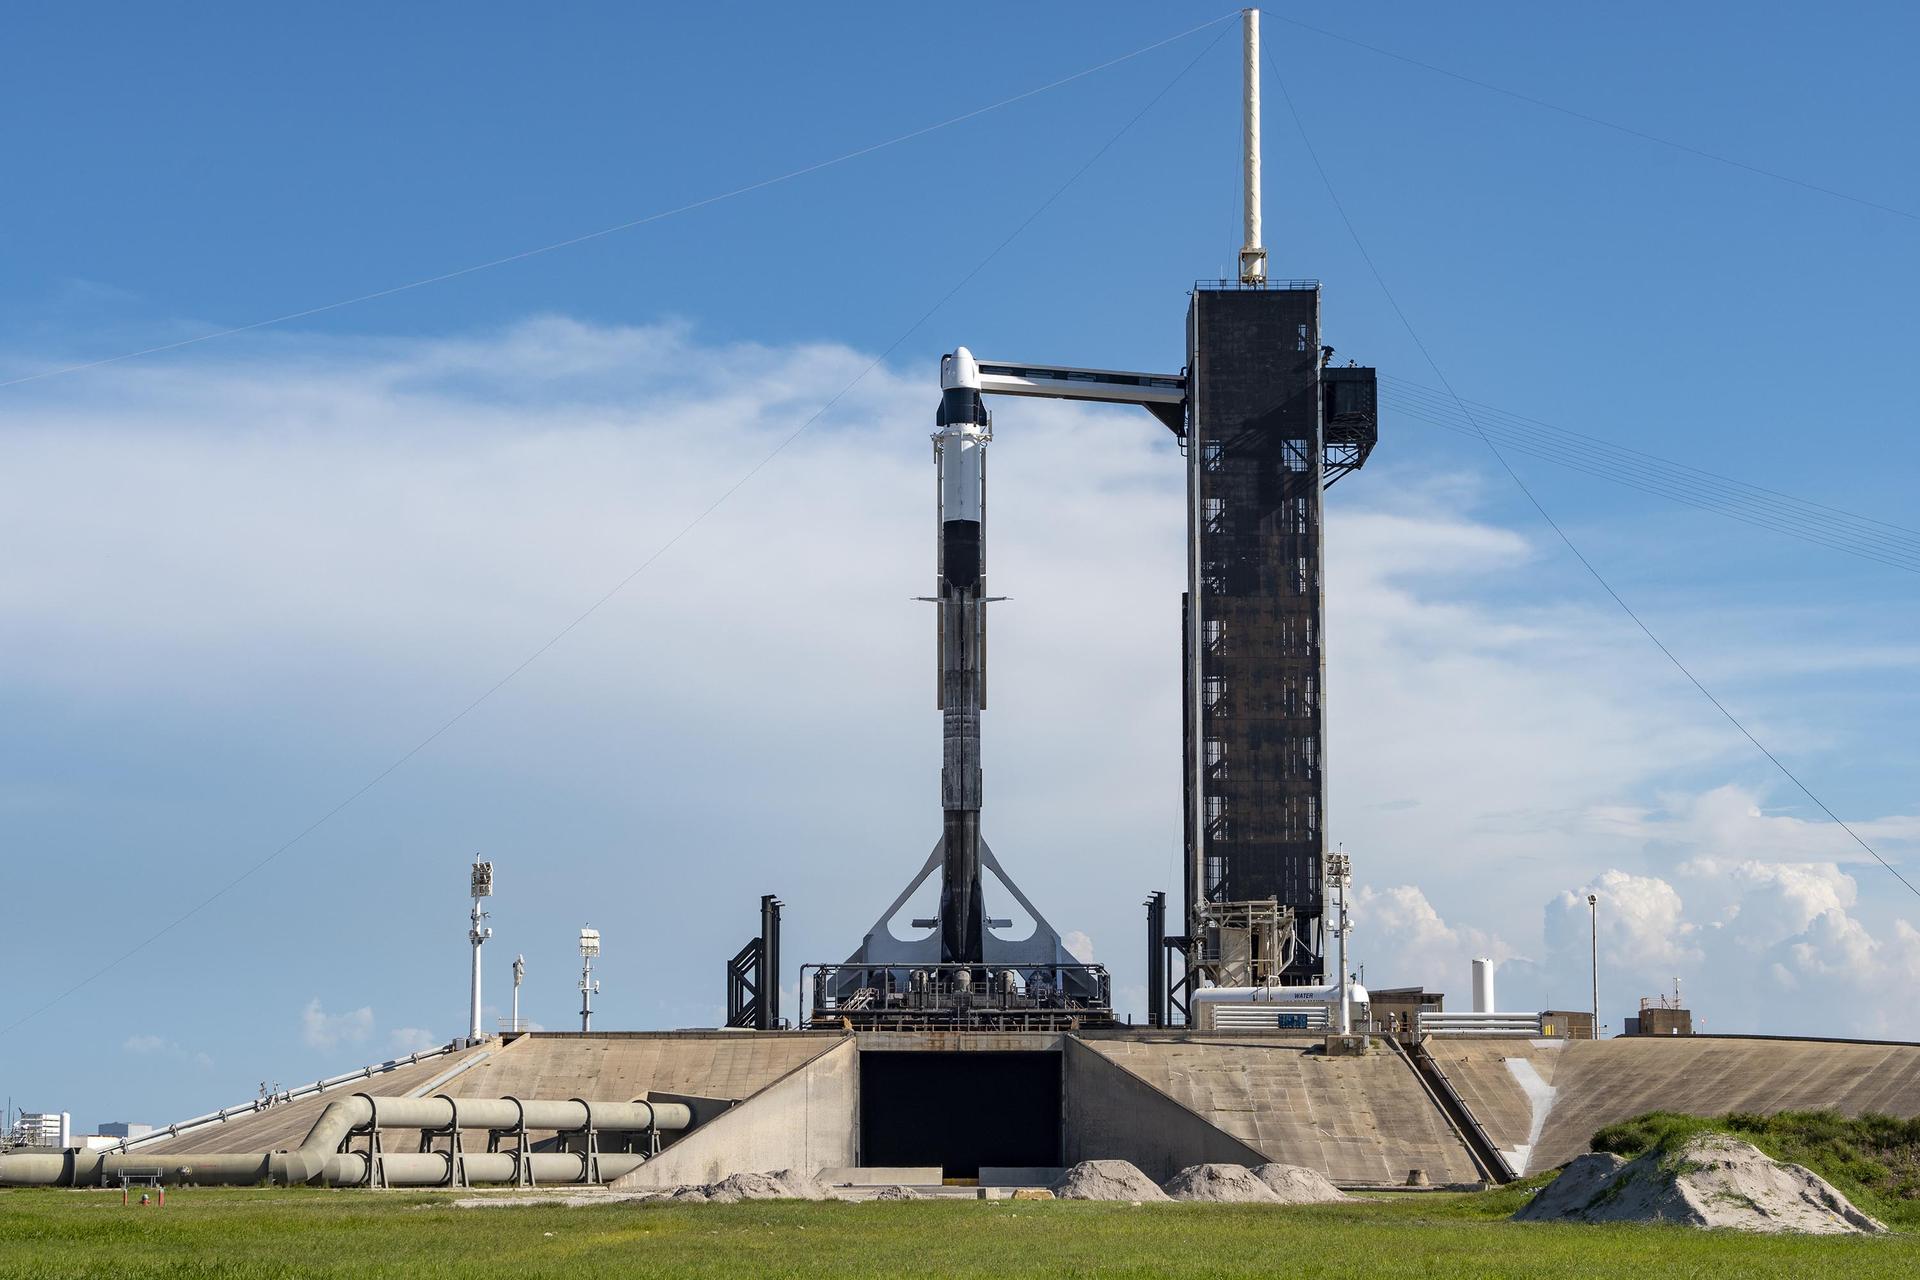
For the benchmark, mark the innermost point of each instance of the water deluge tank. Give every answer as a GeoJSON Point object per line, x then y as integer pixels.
{"type": "Point", "coordinates": [1483, 986]}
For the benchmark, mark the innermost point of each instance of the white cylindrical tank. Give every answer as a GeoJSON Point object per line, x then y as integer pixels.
{"type": "Point", "coordinates": [1215, 1008]}
{"type": "Point", "coordinates": [1483, 1001]}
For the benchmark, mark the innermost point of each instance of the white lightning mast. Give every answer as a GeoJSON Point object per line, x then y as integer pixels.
{"type": "Point", "coordinates": [1253, 258]}
{"type": "Point", "coordinates": [482, 887]}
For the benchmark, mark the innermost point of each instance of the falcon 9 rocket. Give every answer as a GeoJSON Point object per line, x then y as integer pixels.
{"type": "Point", "coordinates": [959, 449]}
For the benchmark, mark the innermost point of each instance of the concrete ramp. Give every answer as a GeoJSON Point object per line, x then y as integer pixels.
{"type": "Point", "coordinates": [1360, 1121]}
{"type": "Point", "coordinates": [1507, 1085]}
{"type": "Point", "coordinates": [1543, 1099]}
{"type": "Point", "coordinates": [617, 1067]}
{"type": "Point", "coordinates": [283, 1125]}
{"type": "Point", "coordinates": [1600, 1082]}
{"type": "Point", "coordinates": [805, 1120]}
{"type": "Point", "coordinates": [621, 1066]}
{"type": "Point", "coordinates": [1114, 1114]}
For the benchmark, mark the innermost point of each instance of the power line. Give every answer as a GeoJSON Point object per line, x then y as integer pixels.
{"type": "Point", "coordinates": [585, 237]}
{"type": "Point", "coordinates": [1751, 505]}
{"type": "Point", "coordinates": [1553, 524]}
{"type": "Point", "coordinates": [645, 564]}
{"type": "Point", "coordinates": [1603, 123]}
{"type": "Point", "coordinates": [1490, 410]}
{"type": "Point", "coordinates": [1906, 565]}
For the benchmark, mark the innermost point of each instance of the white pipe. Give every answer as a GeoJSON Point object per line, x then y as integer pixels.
{"type": "Point", "coordinates": [319, 1158]}
{"type": "Point", "coordinates": [1253, 258]}
{"type": "Point", "coordinates": [1483, 1001]}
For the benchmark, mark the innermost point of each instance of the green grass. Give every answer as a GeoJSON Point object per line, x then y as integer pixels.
{"type": "Point", "coordinates": [247, 1233]}
{"type": "Point", "coordinates": [1874, 1160]}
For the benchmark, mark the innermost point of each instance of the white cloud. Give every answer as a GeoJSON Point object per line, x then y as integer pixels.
{"type": "Point", "coordinates": [314, 555]}
{"type": "Point", "coordinates": [322, 1030]}
{"type": "Point", "coordinates": [1078, 945]}
{"type": "Point", "coordinates": [405, 1040]}
{"type": "Point", "coordinates": [1731, 823]}
{"type": "Point", "coordinates": [1404, 942]}
{"type": "Point", "coordinates": [1753, 946]}
{"type": "Point", "coordinates": [1640, 920]}
{"type": "Point", "coordinates": [151, 1046]}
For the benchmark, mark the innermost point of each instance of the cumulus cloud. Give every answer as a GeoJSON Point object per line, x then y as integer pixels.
{"type": "Point", "coordinates": [1078, 945]}
{"type": "Point", "coordinates": [1643, 922]}
{"type": "Point", "coordinates": [1404, 941]}
{"type": "Point", "coordinates": [1751, 946]}
{"type": "Point", "coordinates": [322, 1030]}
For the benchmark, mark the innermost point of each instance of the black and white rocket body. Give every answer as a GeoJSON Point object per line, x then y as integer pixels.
{"type": "Point", "coordinates": [965, 954]}
{"type": "Point", "coordinates": [959, 448]}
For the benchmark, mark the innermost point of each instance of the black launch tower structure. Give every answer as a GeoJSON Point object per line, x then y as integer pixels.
{"type": "Point", "coordinates": [1269, 425]}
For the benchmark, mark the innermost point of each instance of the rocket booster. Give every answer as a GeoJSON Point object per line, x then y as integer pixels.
{"type": "Point", "coordinates": [959, 448]}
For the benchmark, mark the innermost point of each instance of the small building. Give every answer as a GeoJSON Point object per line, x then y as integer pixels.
{"type": "Point", "coordinates": [1396, 1010]}
{"type": "Point", "coordinates": [1566, 1024]}
{"type": "Point", "coordinates": [124, 1129]}
{"type": "Point", "coordinates": [1660, 1016]}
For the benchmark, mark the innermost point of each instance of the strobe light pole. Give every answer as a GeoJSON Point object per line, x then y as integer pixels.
{"type": "Point", "coordinates": [481, 886]}
{"type": "Point", "coordinates": [519, 973]}
{"type": "Point", "coordinates": [589, 949]}
{"type": "Point", "coordinates": [1339, 876]}
{"type": "Point", "coordinates": [1593, 942]}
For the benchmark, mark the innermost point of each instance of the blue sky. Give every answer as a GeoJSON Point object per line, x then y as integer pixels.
{"type": "Point", "coordinates": [250, 573]}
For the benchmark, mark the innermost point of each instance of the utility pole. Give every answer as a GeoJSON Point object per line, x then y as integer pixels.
{"type": "Point", "coordinates": [1593, 937]}
{"type": "Point", "coordinates": [589, 948]}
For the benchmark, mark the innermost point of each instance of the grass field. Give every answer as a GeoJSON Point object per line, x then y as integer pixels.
{"type": "Point", "coordinates": [246, 1233]}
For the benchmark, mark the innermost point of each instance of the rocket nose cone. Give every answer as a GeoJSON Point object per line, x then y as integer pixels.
{"type": "Point", "coordinates": [959, 370]}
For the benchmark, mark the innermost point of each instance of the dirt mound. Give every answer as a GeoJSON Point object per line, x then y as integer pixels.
{"type": "Point", "coordinates": [1106, 1180]}
{"type": "Point", "coordinates": [782, 1184]}
{"type": "Point", "coordinates": [1295, 1185]}
{"type": "Point", "coordinates": [1710, 1181]}
{"type": "Point", "coordinates": [1220, 1183]}
{"type": "Point", "coordinates": [895, 1193]}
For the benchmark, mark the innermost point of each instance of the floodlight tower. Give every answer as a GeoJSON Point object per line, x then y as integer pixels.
{"type": "Point", "coordinates": [519, 973]}
{"type": "Point", "coordinates": [589, 949]}
{"type": "Point", "coordinates": [1339, 876]}
{"type": "Point", "coordinates": [481, 886]}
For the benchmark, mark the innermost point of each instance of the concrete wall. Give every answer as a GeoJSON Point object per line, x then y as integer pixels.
{"type": "Point", "coordinates": [1112, 1114]}
{"type": "Point", "coordinates": [805, 1120]}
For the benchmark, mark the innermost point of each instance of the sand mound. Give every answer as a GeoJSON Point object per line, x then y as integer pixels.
{"type": "Point", "coordinates": [1295, 1185]}
{"type": "Point", "coordinates": [895, 1193]}
{"type": "Point", "coordinates": [1220, 1183]}
{"type": "Point", "coordinates": [1106, 1180]}
{"type": "Point", "coordinates": [1578, 1186]}
{"type": "Point", "coordinates": [782, 1184]}
{"type": "Point", "coordinates": [1712, 1181]}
